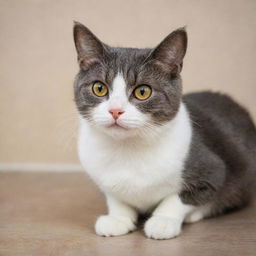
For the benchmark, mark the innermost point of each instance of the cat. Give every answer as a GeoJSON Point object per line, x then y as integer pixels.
{"type": "Point", "coordinates": [152, 150]}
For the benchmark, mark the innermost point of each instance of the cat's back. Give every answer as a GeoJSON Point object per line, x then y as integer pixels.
{"type": "Point", "coordinates": [223, 125]}
{"type": "Point", "coordinates": [209, 110]}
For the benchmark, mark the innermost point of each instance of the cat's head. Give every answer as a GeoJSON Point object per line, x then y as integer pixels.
{"type": "Point", "coordinates": [126, 92]}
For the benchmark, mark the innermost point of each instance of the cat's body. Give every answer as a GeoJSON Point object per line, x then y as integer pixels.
{"type": "Point", "coordinates": [131, 174]}
{"type": "Point", "coordinates": [152, 151]}
{"type": "Point", "coordinates": [221, 164]}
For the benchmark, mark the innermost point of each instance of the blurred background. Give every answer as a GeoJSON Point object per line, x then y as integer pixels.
{"type": "Point", "coordinates": [38, 63]}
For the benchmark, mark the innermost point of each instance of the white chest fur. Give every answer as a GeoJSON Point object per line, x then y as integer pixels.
{"type": "Point", "coordinates": [140, 174]}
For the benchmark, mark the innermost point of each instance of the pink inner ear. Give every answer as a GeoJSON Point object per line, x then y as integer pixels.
{"type": "Point", "coordinates": [172, 49]}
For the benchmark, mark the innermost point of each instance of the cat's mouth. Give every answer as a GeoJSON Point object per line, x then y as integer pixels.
{"type": "Point", "coordinates": [117, 126]}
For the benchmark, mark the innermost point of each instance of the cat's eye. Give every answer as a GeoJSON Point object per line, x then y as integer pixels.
{"type": "Point", "coordinates": [142, 92]}
{"type": "Point", "coordinates": [99, 89]}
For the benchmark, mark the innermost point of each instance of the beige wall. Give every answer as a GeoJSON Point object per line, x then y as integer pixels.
{"type": "Point", "coordinates": [38, 60]}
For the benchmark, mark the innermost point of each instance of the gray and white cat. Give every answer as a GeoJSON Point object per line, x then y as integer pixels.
{"type": "Point", "coordinates": [152, 150]}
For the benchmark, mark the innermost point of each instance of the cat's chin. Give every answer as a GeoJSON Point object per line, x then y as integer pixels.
{"type": "Point", "coordinates": [119, 132]}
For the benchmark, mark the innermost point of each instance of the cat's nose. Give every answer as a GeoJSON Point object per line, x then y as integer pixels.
{"type": "Point", "coordinates": [116, 113]}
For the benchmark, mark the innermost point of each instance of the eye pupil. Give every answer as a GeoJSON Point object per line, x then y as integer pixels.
{"type": "Point", "coordinates": [100, 88]}
{"type": "Point", "coordinates": [142, 91]}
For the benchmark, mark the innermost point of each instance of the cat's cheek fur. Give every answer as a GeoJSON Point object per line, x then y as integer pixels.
{"type": "Point", "coordinates": [132, 118]}
{"type": "Point", "coordinates": [132, 122]}
{"type": "Point", "coordinates": [100, 115]}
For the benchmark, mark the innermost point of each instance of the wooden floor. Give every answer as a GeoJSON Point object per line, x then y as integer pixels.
{"type": "Point", "coordinates": [53, 214]}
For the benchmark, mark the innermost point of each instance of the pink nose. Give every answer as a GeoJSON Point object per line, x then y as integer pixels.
{"type": "Point", "coordinates": [116, 113]}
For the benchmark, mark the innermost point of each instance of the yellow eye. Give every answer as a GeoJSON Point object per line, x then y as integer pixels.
{"type": "Point", "coordinates": [99, 89]}
{"type": "Point", "coordinates": [142, 92]}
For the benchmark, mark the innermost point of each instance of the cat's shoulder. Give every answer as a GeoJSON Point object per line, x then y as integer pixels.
{"type": "Point", "coordinates": [214, 104]}
{"type": "Point", "coordinates": [208, 99]}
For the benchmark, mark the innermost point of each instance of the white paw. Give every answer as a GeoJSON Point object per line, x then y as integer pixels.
{"type": "Point", "coordinates": [194, 217]}
{"type": "Point", "coordinates": [107, 225]}
{"type": "Point", "coordinates": [159, 227]}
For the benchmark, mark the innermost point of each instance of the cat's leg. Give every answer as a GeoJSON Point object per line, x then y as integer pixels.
{"type": "Point", "coordinates": [120, 220]}
{"type": "Point", "coordinates": [167, 218]}
{"type": "Point", "coordinates": [198, 213]}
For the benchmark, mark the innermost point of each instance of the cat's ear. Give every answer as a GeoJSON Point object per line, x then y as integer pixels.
{"type": "Point", "coordinates": [171, 51]}
{"type": "Point", "coordinates": [89, 48]}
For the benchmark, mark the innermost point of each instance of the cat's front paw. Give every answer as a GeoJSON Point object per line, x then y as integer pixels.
{"type": "Point", "coordinates": [107, 225]}
{"type": "Point", "coordinates": [159, 227]}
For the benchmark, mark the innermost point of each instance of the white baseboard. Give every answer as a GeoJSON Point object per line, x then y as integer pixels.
{"type": "Point", "coordinates": [40, 167]}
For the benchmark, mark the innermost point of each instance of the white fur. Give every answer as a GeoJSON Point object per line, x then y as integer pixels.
{"type": "Point", "coordinates": [167, 218]}
{"type": "Point", "coordinates": [137, 166]}
{"type": "Point", "coordinates": [198, 213]}
{"type": "Point", "coordinates": [120, 220]}
{"type": "Point", "coordinates": [108, 225]}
